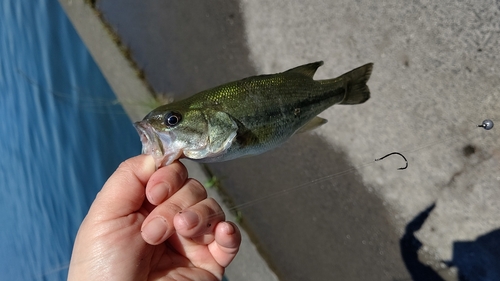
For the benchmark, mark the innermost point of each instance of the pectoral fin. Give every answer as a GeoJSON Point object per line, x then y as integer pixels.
{"type": "Point", "coordinates": [312, 124]}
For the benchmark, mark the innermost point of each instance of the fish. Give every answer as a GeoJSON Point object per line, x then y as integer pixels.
{"type": "Point", "coordinates": [249, 116]}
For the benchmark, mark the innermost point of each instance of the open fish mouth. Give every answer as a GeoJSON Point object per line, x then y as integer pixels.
{"type": "Point", "coordinates": [151, 143]}
{"type": "Point", "coordinates": [159, 145]}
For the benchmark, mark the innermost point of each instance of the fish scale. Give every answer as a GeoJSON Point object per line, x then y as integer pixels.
{"type": "Point", "coordinates": [249, 116]}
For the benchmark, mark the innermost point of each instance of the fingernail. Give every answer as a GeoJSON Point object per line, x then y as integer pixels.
{"type": "Point", "coordinates": [158, 194]}
{"type": "Point", "coordinates": [228, 228]}
{"type": "Point", "coordinates": [154, 231]}
{"type": "Point", "coordinates": [188, 219]}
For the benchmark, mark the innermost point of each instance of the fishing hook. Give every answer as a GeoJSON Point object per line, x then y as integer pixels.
{"type": "Point", "coordinates": [402, 168]}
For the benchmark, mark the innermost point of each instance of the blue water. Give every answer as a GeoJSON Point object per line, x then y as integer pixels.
{"type": "Point", "coordinates": [61, 138]}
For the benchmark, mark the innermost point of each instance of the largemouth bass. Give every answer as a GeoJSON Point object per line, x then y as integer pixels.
{"type": "Point", "coordinates": [249, 116]}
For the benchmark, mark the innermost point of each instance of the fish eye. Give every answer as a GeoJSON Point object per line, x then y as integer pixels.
{"type": "Point", "coordinates": [172, 118]}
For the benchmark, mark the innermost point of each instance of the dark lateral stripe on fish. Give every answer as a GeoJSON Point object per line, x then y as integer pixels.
{"type": "Point", "coordinates": [303, 105]}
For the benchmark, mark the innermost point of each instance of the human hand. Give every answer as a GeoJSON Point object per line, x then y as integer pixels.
{"type": "Point", "coordinates": [174, 234]}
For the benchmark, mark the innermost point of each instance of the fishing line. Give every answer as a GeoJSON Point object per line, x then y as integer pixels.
{"type": "Point", "coordinates": [487, 124]}
{"type": "Point", "coordinates": [297, 187]}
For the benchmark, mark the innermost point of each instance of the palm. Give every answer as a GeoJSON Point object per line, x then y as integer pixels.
{"type": "Point", "coordinates": [178, 256]}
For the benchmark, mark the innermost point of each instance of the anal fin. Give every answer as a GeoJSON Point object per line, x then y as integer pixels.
{"type": "Point", "coordinates": [312, 124]}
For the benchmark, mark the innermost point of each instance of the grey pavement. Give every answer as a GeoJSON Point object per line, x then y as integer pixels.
{"type": "Point", "coordinates": [436, 76]}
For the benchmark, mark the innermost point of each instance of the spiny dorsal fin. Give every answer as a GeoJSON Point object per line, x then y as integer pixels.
{"type": "Point", "coordinates": [312, 124]}
{"type": "Point", "coordinates": [307, 69]}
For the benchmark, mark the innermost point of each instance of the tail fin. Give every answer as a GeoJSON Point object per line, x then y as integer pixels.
{"type": "Point", "coordinates": [355, 84]}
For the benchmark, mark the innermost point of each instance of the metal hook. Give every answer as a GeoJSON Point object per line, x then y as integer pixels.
{"type": "Point", "coordinates": [402, 168]}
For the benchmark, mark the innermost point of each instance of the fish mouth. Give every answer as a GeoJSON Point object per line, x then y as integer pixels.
{"type": "Point", "coordinates": [151, 142]}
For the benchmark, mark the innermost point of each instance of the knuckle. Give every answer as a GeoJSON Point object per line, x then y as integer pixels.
{"type": "Point", "coordinates": [126, 165]}
{"type": "Point", "coordinates": [211, 211]}
{"type": "Point", "coordinates": [173, 208]}
{"type": "Point", "coordinates": [179, 172]}
{"type": "Point", "coordinates": [197, 188]}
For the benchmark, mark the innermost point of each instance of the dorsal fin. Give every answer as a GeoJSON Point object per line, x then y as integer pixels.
{"type": "Point", "coordinates": [307, 69]}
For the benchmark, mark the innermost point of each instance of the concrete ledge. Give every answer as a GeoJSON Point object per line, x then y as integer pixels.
{"type": "Point", "coordinates": [132, 92]}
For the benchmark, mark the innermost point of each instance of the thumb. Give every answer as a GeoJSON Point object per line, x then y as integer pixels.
{"type": "Point", "coordinates": [123, 193]}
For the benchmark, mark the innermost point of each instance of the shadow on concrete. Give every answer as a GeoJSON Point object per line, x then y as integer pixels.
{"type": "Point", "coordinates": [479, 259]}
{"type": "Point", "coordinates": [328, 230]}
{"type": "Point", "coordinates": [410, 245]}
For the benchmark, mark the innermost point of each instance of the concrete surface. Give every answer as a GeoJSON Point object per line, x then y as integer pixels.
{"type": "Point", "coordinates": [436, 75]}
{"type": "Point", "coordinates": [435, 78]}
